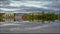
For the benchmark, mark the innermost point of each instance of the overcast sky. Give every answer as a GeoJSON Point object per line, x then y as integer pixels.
{"type": "Point", "coordinates": [27, 6]}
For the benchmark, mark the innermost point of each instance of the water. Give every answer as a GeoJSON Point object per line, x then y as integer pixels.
{"type": "Point", "coordinates": [25, 27]}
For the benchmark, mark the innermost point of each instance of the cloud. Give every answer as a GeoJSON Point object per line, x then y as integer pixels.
{"type": "Point", "coordinates": [29, 5]}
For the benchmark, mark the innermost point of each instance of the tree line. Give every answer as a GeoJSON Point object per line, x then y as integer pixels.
{"type": "Point", "coordinates": [41, 17]}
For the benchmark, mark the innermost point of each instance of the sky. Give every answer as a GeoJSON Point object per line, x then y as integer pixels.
{"type": "Point", "coordinates": [28, 6]}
